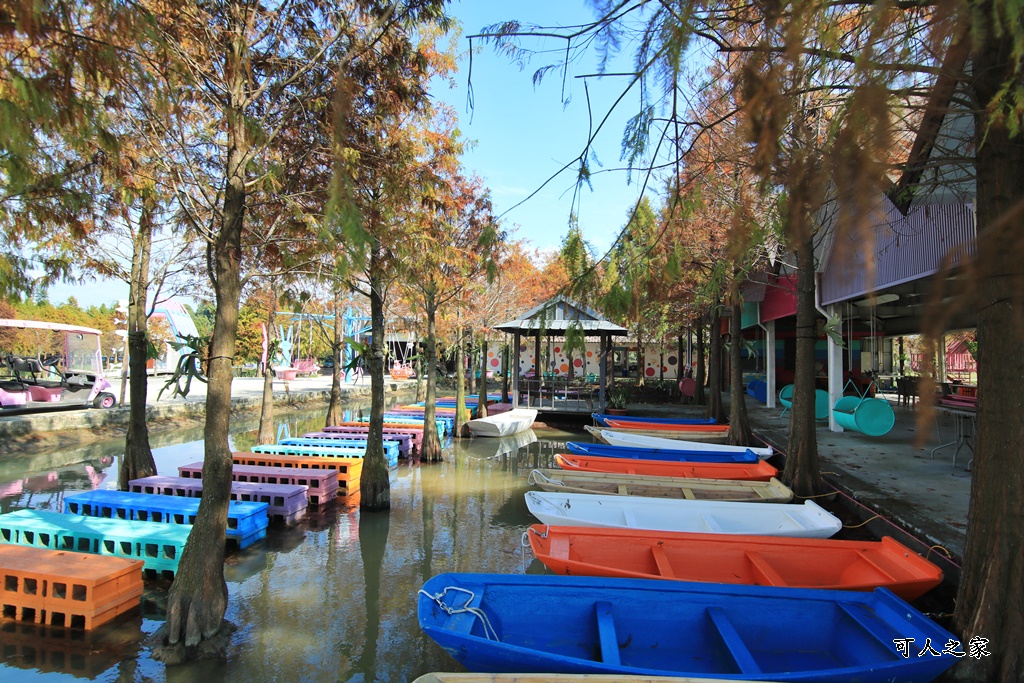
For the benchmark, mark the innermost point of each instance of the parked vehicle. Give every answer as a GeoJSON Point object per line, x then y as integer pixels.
{"type": "Point", "coordinates": [70, 376]}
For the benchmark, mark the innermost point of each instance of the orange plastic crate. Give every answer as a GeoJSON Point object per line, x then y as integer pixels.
{"type": "Point", "coordinates": [62, 588]}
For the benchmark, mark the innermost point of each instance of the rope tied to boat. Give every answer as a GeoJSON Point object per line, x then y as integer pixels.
{"type": "Point", "coordinates": [536, 477]}
{"type": "Point", "coordinates": [526, 538]}
{"type": "Point", "coordinates": [438, 598]}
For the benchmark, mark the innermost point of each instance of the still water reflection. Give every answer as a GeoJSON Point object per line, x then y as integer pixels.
{"type": "Point", "coordinates": [330, 598]}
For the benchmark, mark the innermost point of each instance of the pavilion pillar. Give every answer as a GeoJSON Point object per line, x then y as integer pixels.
{"type": "Point", "coordinates": [513, 369]}
{"type": "Point", "coordinates": [602, 369]}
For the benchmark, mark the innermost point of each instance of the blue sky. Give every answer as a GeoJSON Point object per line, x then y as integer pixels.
{"type": "Point", "coordinates": [523, 135]}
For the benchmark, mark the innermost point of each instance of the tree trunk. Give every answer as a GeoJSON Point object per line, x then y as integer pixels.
{"type": "Point", "coordinates": [740, 433]}
{"type": "Point", "coordinates": [421, 386]}
{"type": "Point", "coordinates": [138, 456]}
{"type": "Point", "coordinates": [991, 595]}
{"type": "Point", "coordinates": [470, 356]}
{"type": "Point", "coordinates": [460, 386]}
{"type": "Point", "coordinates": [716, 409]}
{"type": "Point", "coordinates": [198, 597]}
{"type": "Point", "coordinates": [481, 402]}
{"type": "Point", "coordinates": [266, 435]}
{"type": "Point", "coordinates": [334, 411]}
{"type": "Point", "coordinates": [802, 471]}
{"type": "Point", "coordinates": [700, 373]}
{"type": "Point", "coordinates": [375, 480]}
{"type": "Point", "coordinates": [431, 442]}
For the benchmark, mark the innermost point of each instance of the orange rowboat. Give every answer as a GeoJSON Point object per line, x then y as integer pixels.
{"type": "Point", "coordinates": [719, 558]}
{"type": "Point", "coordinates": [626, 423]}
{"type": "Point", "coordinates": [759, 471]}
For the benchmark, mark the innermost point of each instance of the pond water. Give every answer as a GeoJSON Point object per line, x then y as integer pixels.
{"type": "Point", "coordinates": [332, 597]}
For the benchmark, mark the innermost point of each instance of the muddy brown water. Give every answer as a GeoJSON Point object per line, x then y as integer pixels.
{"type": "Point", "coordinates": [331, 598]}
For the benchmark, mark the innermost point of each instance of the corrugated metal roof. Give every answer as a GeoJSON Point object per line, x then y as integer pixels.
{"type": "Point", "coordinates": [907, 248]}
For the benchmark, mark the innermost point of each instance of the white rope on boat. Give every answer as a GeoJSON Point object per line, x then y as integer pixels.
{"type": "Point", "coordinates": [489, 631]}
{"type": "Point", "coordinates": [526, 539]}
{"type": "Point", "coordinates": [537, 477]}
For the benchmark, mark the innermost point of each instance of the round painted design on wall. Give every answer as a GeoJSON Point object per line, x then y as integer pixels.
{"type": "Point", "coordinates": [589, 354]}
{"type": "Point", "coordinates": [563, 368]}
{"type": "Point", "coordinates": [495, 363]}
{"type": "Point", "coordinates": [578, 362]}
{"type": "Point", "coordinates": [671, 360]}
{"type": "Point", "coordinates": [558, 350]}
{"type": "Point", "coordinates": [650, 372]}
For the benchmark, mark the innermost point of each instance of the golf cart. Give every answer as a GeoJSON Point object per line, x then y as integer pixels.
{"type": "Point", "coordinates": [69, 374]}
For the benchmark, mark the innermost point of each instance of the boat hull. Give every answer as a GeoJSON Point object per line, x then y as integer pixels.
{"type": "Point", "coordinates": [773, 491]}
{"type": "Point", "coordinates": [616, 438]}
{"type": "Point", "coordinates": [758, 471]}
{"type": "Point", "coordinates": [614, 422]}
{"type": "Point", "coordinates": [696, 516]}
{"type": "Point", "coordinates": [750, 560]}
{"type": "Point", "coordinates": [601, 419]}
{"type": "Point", "coordinates": [670, 455]}
{"type": "Point", "coordinates": [596, 625]}
{"type": "Point", "coordinates": [710, 437]}
{"type": "Point", "coordinates": [503, 424]}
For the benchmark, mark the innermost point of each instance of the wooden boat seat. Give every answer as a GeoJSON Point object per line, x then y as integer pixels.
{"type": "Point", "coordinates": [713, 526]}
{"type": "Point", "coordinates": [731, 639]}
{"type": "Point", "coordinates": [764, 573]}
{"type": "Point", "coordinates": [606, 634]}
{"type": "Point", "coordinates": [661, 560]}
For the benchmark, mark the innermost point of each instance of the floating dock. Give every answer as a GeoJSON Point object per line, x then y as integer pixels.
{"type": "Point", "coordinates": [247, 521]}
{"type": "Point", "coordinates": [159, 546]}
{"type": "Point", "coordinates": [322, 484]}
{"type": "Point", "coordinates": [349, 469]}
{"type": "Point", "coordinates": [285, 502]}
{"type": "Point", "coordinates": [59, 588]}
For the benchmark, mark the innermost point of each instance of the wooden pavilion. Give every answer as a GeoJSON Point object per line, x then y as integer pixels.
{"type": "Point", "coordinates": [557, 380]}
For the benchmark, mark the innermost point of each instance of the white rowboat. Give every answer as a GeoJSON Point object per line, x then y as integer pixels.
{"type": "Point", "coordinates": [503, 424]}
{"type": "Point", "coordinates": [616, 438]}
{"type": "Point", "coordinates": [696, 516]}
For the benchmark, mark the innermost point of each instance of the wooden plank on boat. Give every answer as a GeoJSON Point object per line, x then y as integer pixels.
{"type": "Point", "coordinates": [772, 491]}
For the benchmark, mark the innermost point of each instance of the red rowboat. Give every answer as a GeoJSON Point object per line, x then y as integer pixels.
{"type": "Point", "coordinates": [720, 558]}
{"type": "Point", "coordinates": [759, 471]}
{"type": "Point", "coordinates": [626, 423]}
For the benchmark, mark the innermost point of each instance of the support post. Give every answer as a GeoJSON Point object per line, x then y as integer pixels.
{"type": "Point", "coordinates": [769, 358]}
{"type": "Point", "coordinates": [835, 374]}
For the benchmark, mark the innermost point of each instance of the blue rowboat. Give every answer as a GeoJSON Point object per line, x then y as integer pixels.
{"type": "Point", "coordinates": [600, 418]}
{"type": "Point", "coordinates": [500, 623]}
{"type": "Point", "coordinates": [580, 448]}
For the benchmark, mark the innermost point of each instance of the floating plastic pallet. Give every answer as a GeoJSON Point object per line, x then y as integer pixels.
{"type": "Point", "coordinates": [159, 546]}
{"type": "Point", "coordinates": [61, 588]}
{"type": "Point", "coordinates": [247, 521]}
{"type": "Point", "coordinates": [285, 502]}
{"type": "Point", "coordinates": [321, 451]}
{"type": "Point", "coordinates": [445, 423]}
{"type": "Point", "coordinates": [349, 469]}
{"type": "Point", "coordinates": [391, 448]}
{"type": "Point", "coordinates": [439, 422]}
{"type": "Point", "coordinates": [322, 484]}
{"type": "Point", "coordinates": [361, 427]}
{"type": "Point", "coordinates": [404, 441]}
